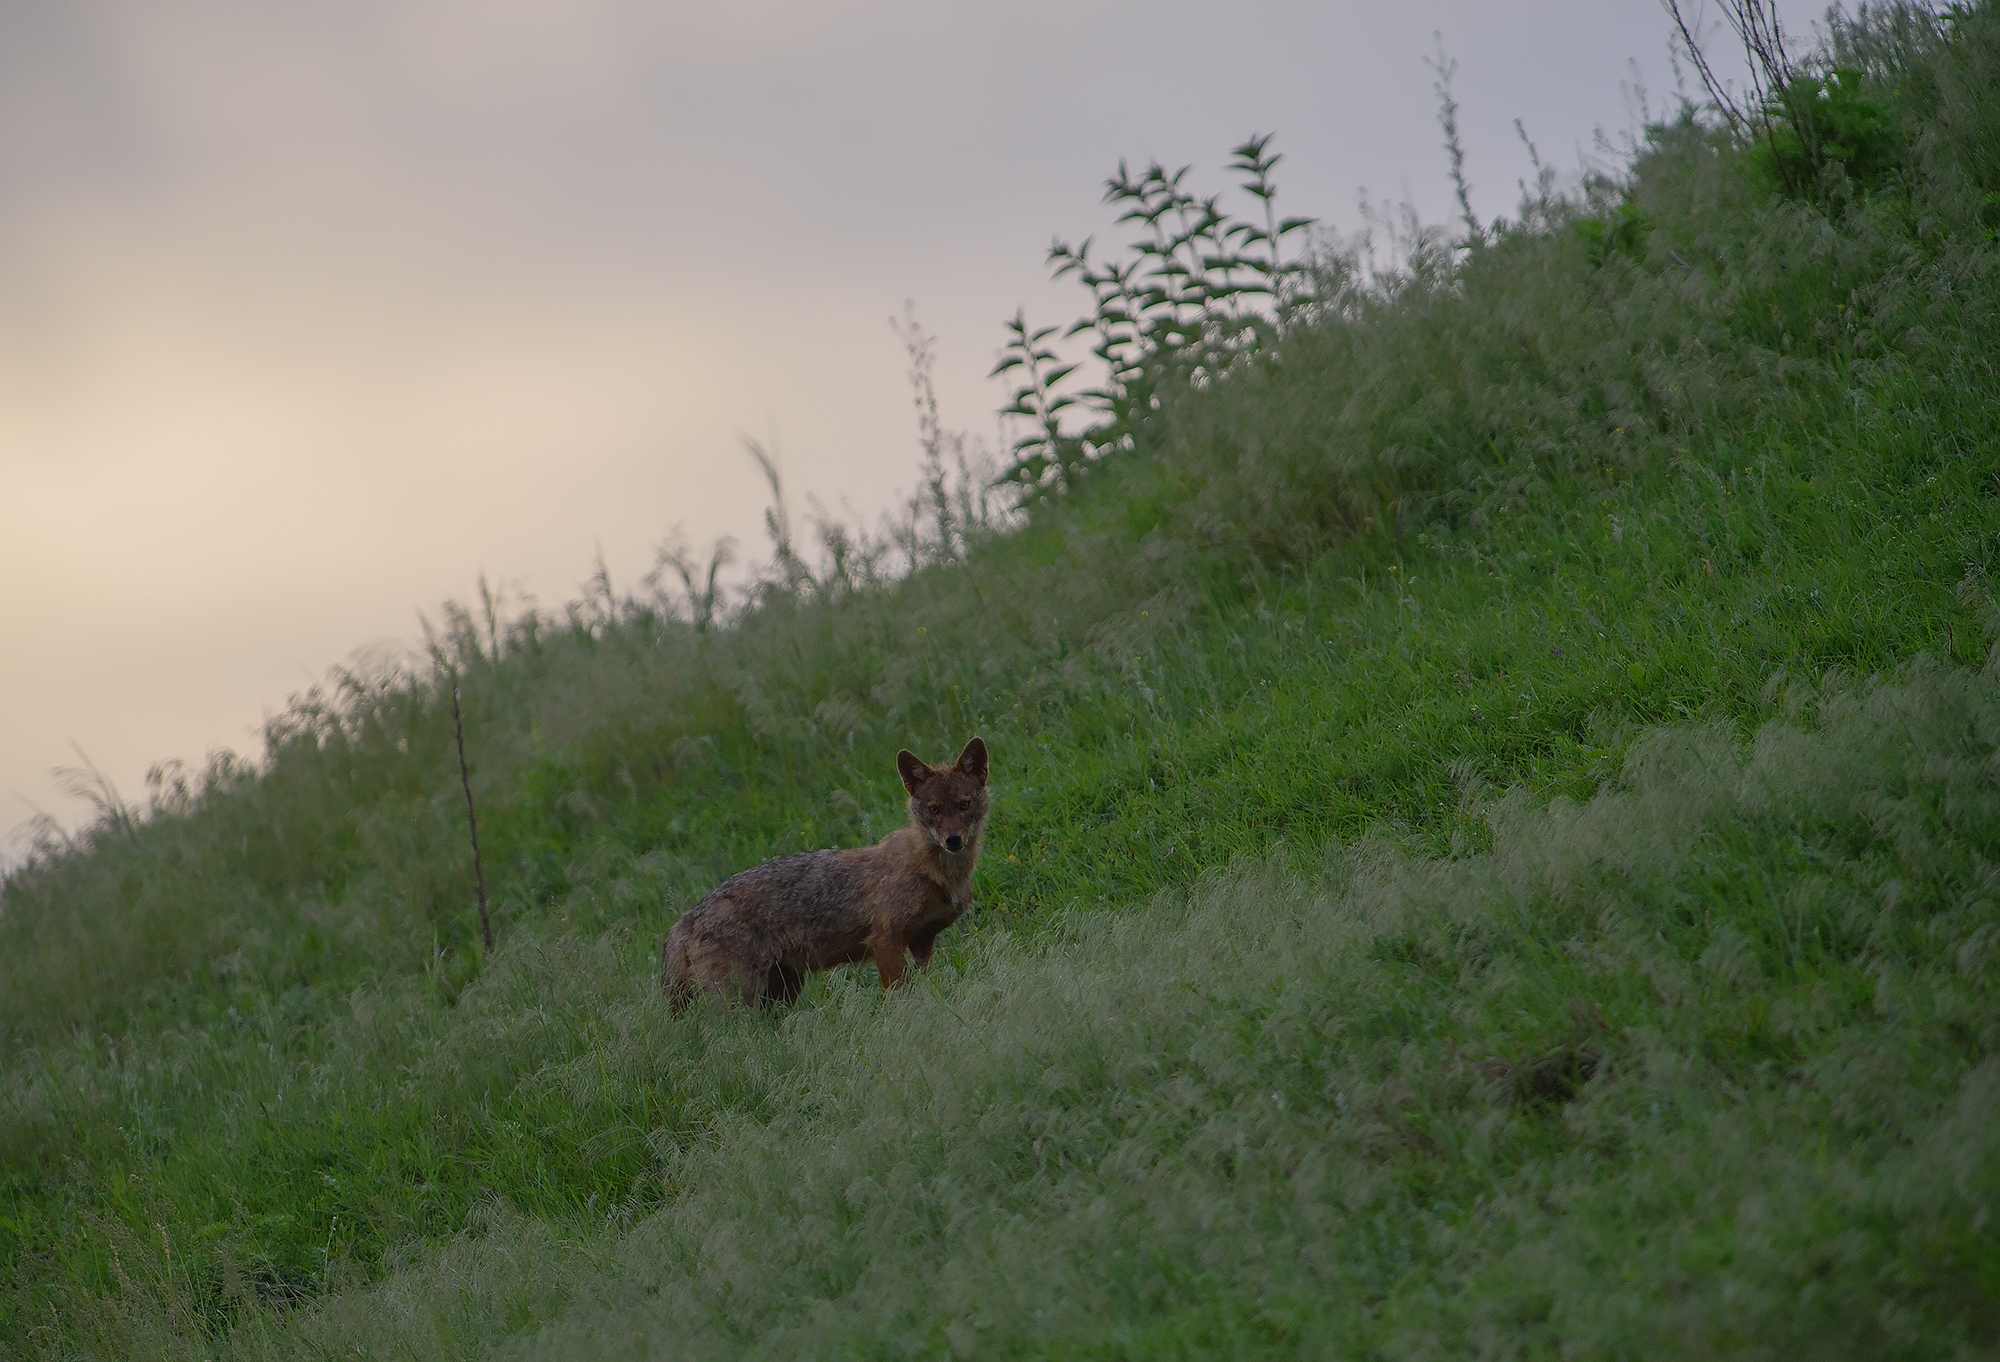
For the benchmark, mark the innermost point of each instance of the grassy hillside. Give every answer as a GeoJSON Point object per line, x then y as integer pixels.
{"type": "Point", "coordinates": [1498, 829]}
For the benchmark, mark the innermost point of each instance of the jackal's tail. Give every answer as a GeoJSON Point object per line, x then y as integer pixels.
{"type": "Point", "coordinates": [675, 985]}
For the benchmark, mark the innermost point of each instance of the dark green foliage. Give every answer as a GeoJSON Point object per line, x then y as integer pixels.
{"type": "Point", "coordinates": [1621, 232]}
{"type": "Point", "coordinates": [1820, 123]}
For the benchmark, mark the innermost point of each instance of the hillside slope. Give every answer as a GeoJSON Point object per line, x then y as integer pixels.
{"type": "Point", "coordinates": [1495, 854]}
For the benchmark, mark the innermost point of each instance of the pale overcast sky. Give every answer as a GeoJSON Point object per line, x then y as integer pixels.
{"type": "Point", "coordinates": [311, 313]}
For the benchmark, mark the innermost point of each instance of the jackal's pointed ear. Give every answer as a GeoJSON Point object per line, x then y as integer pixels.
{"type": "Point", "coordinates": [913, 772]}
{"type": "Point", "coordinates": [972, 760]}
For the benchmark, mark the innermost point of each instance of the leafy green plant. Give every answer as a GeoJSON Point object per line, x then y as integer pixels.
{"type": "Point", "coordinates": [1196, 293]}
{"type": "Point", "coordinates": [1622, 231]}
{"type": "Point", "coordinates": [1816, 123]}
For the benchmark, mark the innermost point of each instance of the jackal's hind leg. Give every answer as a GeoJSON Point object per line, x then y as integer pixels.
{"type": "Point", "coordinates": [785, 982]}
{"type": "Point", "coordinates": [751, 983]}
{"type": "Point", "coordinates": [675, 986]}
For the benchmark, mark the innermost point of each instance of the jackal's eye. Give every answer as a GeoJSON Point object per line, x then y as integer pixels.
{"type": "Point", "coordinates": [964, 804]}
{"type": "Point", "coordinates": [934, 808]}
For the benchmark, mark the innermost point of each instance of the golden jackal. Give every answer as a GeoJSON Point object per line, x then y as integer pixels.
{"type": "Point", "coordinates": [762, 931]}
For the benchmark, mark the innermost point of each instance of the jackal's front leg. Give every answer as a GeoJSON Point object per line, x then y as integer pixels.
{"type": "Point", "coordinates": [921, 948]}
{"type": "Point", "coordinates": [889, 961]}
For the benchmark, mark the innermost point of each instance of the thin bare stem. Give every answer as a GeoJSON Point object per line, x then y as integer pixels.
{"type": "Point", "coordinates": [471, 818]}
{"type": "Point", "coordinates": [1739, 122]}
{"type": "Point", "coordinates": [1453, 146]}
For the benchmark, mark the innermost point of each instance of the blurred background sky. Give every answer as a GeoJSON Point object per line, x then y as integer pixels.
{"type": "Point", "coordinates": [309, 314]}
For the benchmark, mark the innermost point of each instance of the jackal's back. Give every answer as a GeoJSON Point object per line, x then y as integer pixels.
{"type": "Point", "coordinates": [787, 916]}
{"type": "Point", "coordinates": [806, 897]}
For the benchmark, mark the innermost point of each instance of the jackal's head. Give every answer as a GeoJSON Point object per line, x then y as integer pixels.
{"type": "Point", "coordinates": [948, 803]}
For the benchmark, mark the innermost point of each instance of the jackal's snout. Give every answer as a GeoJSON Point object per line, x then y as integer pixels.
{"type": "Point", "coordinates": [953, 842]}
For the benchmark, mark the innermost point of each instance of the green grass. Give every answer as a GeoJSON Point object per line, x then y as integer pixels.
{"type": "Point", "coordinates": [1494, 854]}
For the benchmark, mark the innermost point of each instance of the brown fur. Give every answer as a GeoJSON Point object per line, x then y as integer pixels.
{"type": "Point", "coordinates": [759, 933]}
